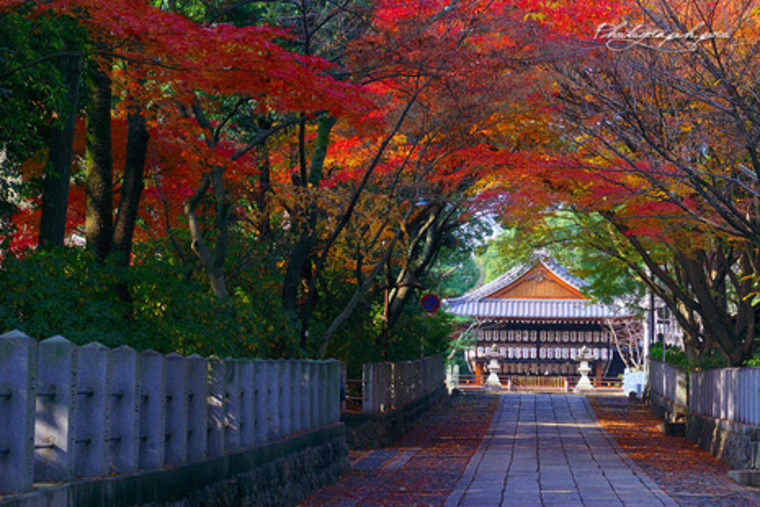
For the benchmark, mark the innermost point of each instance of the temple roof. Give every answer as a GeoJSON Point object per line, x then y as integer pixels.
{"type": "Point", "coordinates": [538, 290]}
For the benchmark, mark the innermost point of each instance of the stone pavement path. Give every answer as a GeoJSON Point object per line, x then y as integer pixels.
{"type": "Point", "coordinates": [546, 449]}
{"type": "Point", "coordinates": [539, 450]}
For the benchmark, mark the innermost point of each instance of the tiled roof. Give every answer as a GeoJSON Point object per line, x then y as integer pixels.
{"type": "Point", "coordinates": [477, 303]}
{"type": "Point", "coordinates": [531, 308]}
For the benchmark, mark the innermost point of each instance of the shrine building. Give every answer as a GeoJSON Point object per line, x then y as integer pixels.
{"type": "Point", "coordinates": [538, 318]}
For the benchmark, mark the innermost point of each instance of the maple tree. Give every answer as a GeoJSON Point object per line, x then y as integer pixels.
{"type": "Point", "coordinates": [343, 149]}
{"type": "Point", "coordinates": [450, 79]}
{"type": "Point", "coordinates": [664, 137]}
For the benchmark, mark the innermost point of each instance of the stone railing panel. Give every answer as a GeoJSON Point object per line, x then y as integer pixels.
{"type": "Point", "coordinates": [392, 385]}
{"type": "Point", "coordinates": [90, 411]}
{"type": "Point", "coordinates": [18, 361]}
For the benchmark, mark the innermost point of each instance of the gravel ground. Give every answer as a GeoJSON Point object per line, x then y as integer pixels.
{"type": "Point", "coordinates": [421, 468]}
{"type": "Point", "coordinates": [689, 475]}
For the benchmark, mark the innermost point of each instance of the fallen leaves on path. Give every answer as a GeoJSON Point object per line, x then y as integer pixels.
{"type": "Point", "coordinates": [420, 469]}
{"type": "Point", "coordinates": [691, 476]}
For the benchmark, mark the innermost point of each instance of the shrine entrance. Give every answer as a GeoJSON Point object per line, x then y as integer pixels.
{"type": "Point", "coordinates": [535, 319]}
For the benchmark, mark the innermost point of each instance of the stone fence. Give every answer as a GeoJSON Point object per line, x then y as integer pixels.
{"type": "Point", "coordinates": [73, 412]}
{"type": "Point", "coordinates": [388, 386]}
{"type": "Point", "coordinates": [671, 384]}
{"type": "Point", "coordinates": [720, 408]}
{"type": "Point", "coordinates": [395, 396]}
{"type": "Point", "coordinates": [731, 394]}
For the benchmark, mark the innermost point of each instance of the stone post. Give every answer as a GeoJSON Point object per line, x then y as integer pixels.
{"type": "Point", "coordinates": [215, 407]}
{"type": "Point", "coordinates": [296, 398]}
{"type": "Point", "coordinates": [423, 380]}
{"type": "Point", "coordinates": [18, 372]}
{"type": "Point", "coordinates": [369, 401]}
{"type": "Point", "coordinates": [231, 405]}
{"type": "Point", "coordinates": [93, 425]}
{"type": "Point", "coordinates": [197, 411]}
{"type": "Point", "coordinates": [175, 433]}
{"type": "Point", "coordinates": [333, 402]}
{"type": "Point", "coordinates": [152, 410]}
{"type": "Point", "coordinates": [261, 401]}
{"type": "Point", "coordinates": [55, 410]}
{"type": "Point", "coordinates": [273, 398]}
{"type": "Point", "coordinates": [246, 390]}
{"type": "Point", "coordinates": [307, 423]}
{"type": "Point", "coordinates": [398, 368]}
{"type": "Point", "coordinates": [324, 393]}
{"type": "Point", "coordinates": [314, 391]}
{"type": "Point", "coordinates": [125, 410]}
{"type": "Point", "coordinates": [286, 425]}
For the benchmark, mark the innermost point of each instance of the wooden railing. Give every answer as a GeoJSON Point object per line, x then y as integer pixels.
{"type": "Point", "coordinates": [538, 383]}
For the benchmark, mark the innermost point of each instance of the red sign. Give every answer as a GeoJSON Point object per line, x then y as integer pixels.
{"type": "Point", "coordinates": [430, 302]}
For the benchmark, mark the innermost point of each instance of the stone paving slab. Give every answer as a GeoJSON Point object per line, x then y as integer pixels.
{"type": "Point", "coordinates": [546, 449]}
{"type": "Point", "coordinates": [429, 463]}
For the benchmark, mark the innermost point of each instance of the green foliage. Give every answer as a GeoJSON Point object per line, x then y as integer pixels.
{"type": "Point", "coordinates": [32, 93]}
{"type": "Point", "coordinates": [416, 334]}
{"type": "Point", "coordinates": [677, 357]}
{"type": "Point", "coordinates": [65, 292]}
{"type": "Point", "coordinates": [501, 254]}
{"type": "Point", "coordinates": [61, 292]}
{"type": "Point", "coordinates": [755, 359]}
{"type": "Point", "coordinates": [565, 238]}
{"type": "Point", "coordinates": [453, 274]}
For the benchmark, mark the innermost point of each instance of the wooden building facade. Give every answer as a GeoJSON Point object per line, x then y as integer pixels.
{"type": "Point", "coordinates": [536, 318]}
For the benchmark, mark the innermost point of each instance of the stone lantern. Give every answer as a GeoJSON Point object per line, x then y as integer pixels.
{"type": "Point", "coordinates": [584, 357]}
{"type": "Point", "coordinates": [492, 382]}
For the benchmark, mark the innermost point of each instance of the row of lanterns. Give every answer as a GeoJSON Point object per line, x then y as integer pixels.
{"type": "Point", "coordinates": [536, 353]}
{"type": "Point", "coordinates": [544, 335]}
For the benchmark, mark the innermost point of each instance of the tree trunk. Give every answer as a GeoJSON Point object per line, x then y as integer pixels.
{"type": "Point", "coordinates": [300, 255]}
{"type": "Point", "coordinates": [129, 201]}
{"type": "Point", "coordinates": [55, 193]}
{"type": "Point", "coordinates": [99, 173]}
{"type": "Point", "coordinates": [131, 187]}
{"type": "Point", "coordinates": [212, 262]}
{"type": "Point", "coordinates": [264, 193]}
{"type": "Point", "coordinates": [420, 259]}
